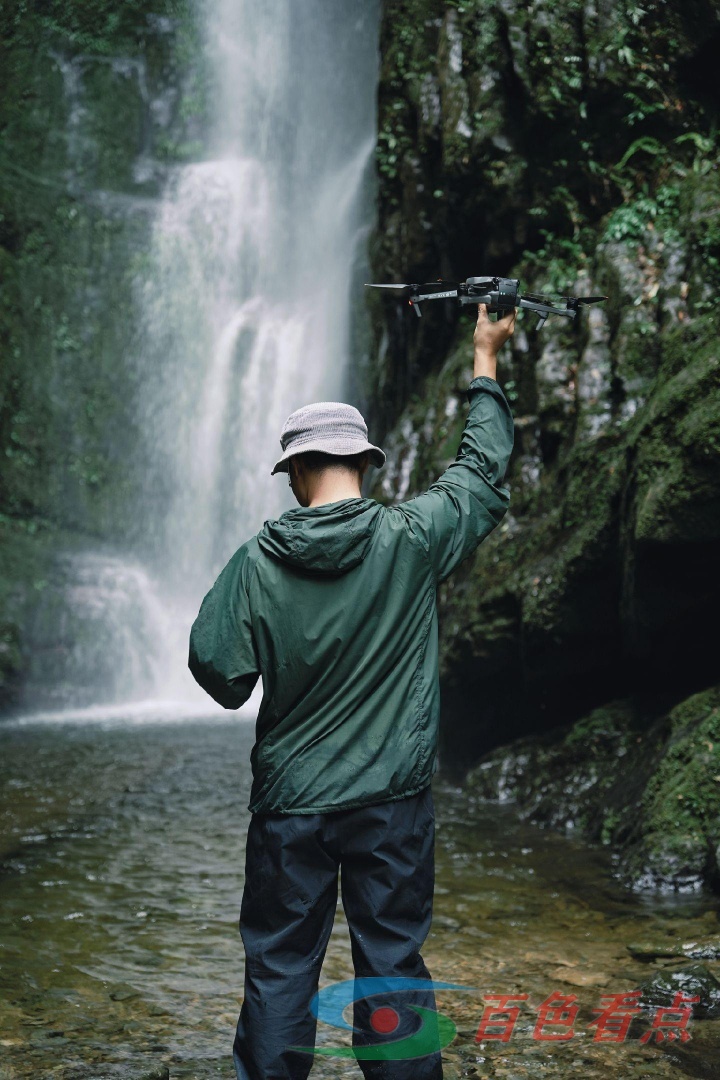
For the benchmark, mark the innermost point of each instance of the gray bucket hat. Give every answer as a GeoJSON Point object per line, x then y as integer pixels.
{"type": "Point", "coordinates": [329, 426]}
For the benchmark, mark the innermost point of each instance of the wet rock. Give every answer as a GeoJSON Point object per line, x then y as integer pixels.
{"type": "Point", "coordinates": [595, 376]}
{"type": "Point", "coordinates": [695, 980]}
{"type": "Point", "coordinates": [702, 949]}
{"type": "Point", "coordinates": [445, 922]}
{"type": "Point", "coordinates": [123, 992]}
{"type": "Point", "coordinates": [155, 1072]}
{"type": "Point", "coordinates": [562, 781]}
{"type": "Point", "coordinates": [579, 976]}
{"type": "Point", "coordinates": [648, 951]}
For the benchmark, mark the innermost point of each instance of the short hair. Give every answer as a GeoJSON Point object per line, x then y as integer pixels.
{"type": "Point", "coordinates": [316, 460]}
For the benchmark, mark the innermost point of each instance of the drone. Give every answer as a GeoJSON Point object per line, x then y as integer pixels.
{"type": "Point", "coordinates": [500, 294]}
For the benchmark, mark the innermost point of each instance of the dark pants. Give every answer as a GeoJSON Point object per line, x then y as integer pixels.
{"type": "Point", "coordinates": [385, 854]}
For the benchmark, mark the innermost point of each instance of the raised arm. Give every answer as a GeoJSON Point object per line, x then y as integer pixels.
{"type": "Point", "coordinates": [460, 509]}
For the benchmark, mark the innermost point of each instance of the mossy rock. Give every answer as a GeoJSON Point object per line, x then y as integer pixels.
{"type": "Point", "coordinates": [576, 778]}
{"type": "Point", "coordinates": [679, 843]}
{"type": "Point", "coordinates": [647, 783]}
{"type": "Point", "coordinates": [693, 980]}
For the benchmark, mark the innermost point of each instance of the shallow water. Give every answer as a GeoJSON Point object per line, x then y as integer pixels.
{"type": "Point", "coordinates": [122, 847]}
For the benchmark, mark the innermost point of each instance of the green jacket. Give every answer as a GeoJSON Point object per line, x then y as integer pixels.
{"type": "Point", "coordinates": [335, 606]}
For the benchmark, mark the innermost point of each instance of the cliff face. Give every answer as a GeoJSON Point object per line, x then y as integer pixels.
{"type": "Point", "coordinates": [100, 102]}
{"type": "Point", "coordinates": [573, 147]}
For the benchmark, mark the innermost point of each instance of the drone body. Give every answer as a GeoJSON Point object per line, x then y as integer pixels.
{"type": "Point", "coordinates": [500, 294]}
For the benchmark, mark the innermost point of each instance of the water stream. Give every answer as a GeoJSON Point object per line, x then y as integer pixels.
{"type": "Point", "coordinates": [122, 873]}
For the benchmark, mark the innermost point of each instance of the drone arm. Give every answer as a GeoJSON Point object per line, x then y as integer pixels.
{"type": "Point", "coordinates": [545, 309]}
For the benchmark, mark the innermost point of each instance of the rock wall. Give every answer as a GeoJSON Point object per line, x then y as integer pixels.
{"type": "Point", "coordinates": [101, 100]}
{"type": "Point", "coordinates": [573, 146]}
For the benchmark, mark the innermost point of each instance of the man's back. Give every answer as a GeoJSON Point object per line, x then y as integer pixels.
{"type": "Point", "coordinates": [335, 605]}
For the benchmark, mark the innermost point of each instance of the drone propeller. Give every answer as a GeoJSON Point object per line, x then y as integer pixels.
{"type": "Point", "coordinates": [550, 297]}
{"type": "Point", "coordinates": [584, 299]}
{"type": "Point", "coordinates": [369, 286]}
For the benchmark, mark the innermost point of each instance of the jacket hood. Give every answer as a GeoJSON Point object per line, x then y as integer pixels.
{"type": "Point", "coordinates": [327, 539]}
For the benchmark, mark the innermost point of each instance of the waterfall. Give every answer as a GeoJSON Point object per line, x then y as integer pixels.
{"type": "Point", "coordinates": [244, 306]}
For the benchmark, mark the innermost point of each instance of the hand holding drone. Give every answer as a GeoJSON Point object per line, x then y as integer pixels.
{"type": "Point", "coordinates": [500, 294]}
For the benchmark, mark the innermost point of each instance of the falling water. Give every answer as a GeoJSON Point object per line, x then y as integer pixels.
{"type": "Point", "coordinates": [245, 308]}
{"type": "Point", "coordinates": [250, 285]}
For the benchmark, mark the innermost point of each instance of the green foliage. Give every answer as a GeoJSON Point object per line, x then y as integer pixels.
{"type": "Point", "coordinates": [510, 389]}
{"type": "Point", "coordinates": [90, 26]}
{"type": "Point", "coordinates": [706, 153]}
{"type": "Point", "coordinates": [646, 144]}
{"type": "Point", "coordinates": [611, 820]}
{"type": "Point", "coordinates": [554, 267]}
{"type": "Point", "coordinates": [393, 143]}
{"type": "Point", "coordinates": [630, 220]}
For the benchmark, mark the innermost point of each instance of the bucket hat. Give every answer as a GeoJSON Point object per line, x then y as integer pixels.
{"type": "Point", "coordinates": [329, 426]}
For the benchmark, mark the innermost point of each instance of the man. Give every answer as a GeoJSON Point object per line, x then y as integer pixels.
{"type": "Point", "coordinates": [334, 604]}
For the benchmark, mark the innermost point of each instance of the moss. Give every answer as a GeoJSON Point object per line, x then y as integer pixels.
{"type": "Point", "coordinates": [66, 428]}
{"type": "Point", "coordinates": [567, 778]}
{"type": "Point", "coordinates": [674, 440]}
{"type": "Point", "coordinates": [637, 351]}
{"type": "Point", "coordinates": [681, 803]}
{"type": "Point", "coordinates": [25, 547]}
{"type": "Point", "coordinates": [647, 783]}
{"type": "Point", "coordinates": [694, 380]}
{"type": "Point", "coordinates": [592, 473]}
{"type": "Point", "coordinates": [96, 26]}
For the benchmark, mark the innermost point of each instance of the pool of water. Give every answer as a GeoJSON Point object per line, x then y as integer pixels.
{"type": "Point", "coordinates": [122, 851]}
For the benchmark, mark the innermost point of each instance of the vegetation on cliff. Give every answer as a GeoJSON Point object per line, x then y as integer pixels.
{"type": "Point", "coordinates": [574, 147]}
{"type": "Point", "coordinates": [101, 99]}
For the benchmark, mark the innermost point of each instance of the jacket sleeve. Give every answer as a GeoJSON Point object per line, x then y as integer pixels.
{"type": "Point", "coordinates": [460, 509]}
{"type": "Point", "coordinates": [223, 654]}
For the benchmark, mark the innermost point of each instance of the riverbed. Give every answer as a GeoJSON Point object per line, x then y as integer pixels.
{"type": "Point", "coordinates": [122, 849]}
